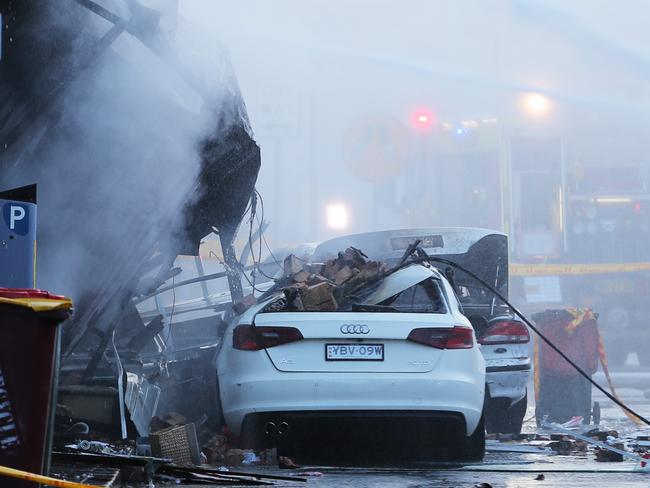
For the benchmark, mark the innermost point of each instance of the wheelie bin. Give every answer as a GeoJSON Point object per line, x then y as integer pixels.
{"type": "Point", "coordinates": [561, 391]}
{"type": "Point", "coordinates": [29, 351]}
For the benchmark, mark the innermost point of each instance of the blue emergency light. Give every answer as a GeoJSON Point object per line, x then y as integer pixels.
{"type": "Point", "coordinates": [18, 237]}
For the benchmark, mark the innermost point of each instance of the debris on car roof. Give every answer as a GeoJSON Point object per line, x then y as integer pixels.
{"type": "Point", "coordinates": [326, 287]}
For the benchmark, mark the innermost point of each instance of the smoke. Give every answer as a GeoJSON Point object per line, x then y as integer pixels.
{"type": "Point", "coordinates": [314, 75]}
{"type": "Point", "coordinates": [121, 161]}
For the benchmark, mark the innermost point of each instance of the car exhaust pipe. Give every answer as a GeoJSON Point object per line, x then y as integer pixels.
{"type": "Point", "coordinates": [270, 428]}
{"type": "Point", "coordinates": [283, 428]}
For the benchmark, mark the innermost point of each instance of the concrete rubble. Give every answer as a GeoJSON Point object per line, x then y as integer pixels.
{"type": "Point", "coordinates": [605, 444]}
{"type": "Point", "coordinates": [326, 287]}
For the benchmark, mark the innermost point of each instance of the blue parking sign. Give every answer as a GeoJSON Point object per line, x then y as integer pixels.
{"type": "Point", "coordinates": [18, 238]}
{"type": "Point", "coordinates": [16, 217]}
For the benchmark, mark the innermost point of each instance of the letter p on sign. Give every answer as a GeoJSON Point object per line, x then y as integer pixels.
{"type": "Point", "coordinates": [16, 217]}
{"type": "Point", "coordinates": [16, 213]}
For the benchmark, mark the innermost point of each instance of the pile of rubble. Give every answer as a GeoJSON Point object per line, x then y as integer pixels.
{"type": "Point", "coordinates": [607, 445]}
{"type": "Point", "coordinates": [175, 453]}
{"type": "Point", "coordinates": [326, 287]}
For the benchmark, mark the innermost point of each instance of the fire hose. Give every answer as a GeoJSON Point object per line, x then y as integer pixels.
{"type": "Point", "coordinates": [37, 478]}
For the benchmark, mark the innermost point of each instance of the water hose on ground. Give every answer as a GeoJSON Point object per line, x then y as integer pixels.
{"type": "Point", "coordinates": [44, 480]}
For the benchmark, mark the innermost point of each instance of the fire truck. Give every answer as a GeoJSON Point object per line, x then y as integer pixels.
{"type": "Point", "coordinates": [575, 204]}
{"type": "Point", "coordinates": [594, 251]}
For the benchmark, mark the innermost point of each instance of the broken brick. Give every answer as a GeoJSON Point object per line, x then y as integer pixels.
{"type": "Point", "coordinates": [342, 275]}
{"type": "Point", "coordinates": [292, 265]}
{"type": "Point", "coordinates": [330, 269]}
{"type": "Point", "coordinates": [314, 268]}
{"type": "Point", "coordinates": [601, 435]}
{"type": "Point", "coordinates": [323, 286]}
{"type": "Point", "coordinates": [562, 447]}
{"type": "Point", "coordinates": [319, 298]}
{"type": "Point", "coordinates": [293, 296]}
{"type": "Point", "coordinates": [316, 279]}
{"type": "Point", "coordinates": [607, 456]}
{"type": "Point", "coordinates": [244, 304]}
{"type": "Point", "coordinates": [301, 276]}
{"type": "Point", "coordinates": [353, 256]}
{"type": "Point", "coordinates": [215, 449]}
{"type": "Point", "coordinates": [287, 463]}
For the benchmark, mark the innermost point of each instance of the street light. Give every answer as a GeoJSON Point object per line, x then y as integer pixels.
{"type": "Point", "coordinates": [337, 216]}
{"type": "Point", "coordinates": [536, 104]}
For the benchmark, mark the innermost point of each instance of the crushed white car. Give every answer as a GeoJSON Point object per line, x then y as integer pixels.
{"type": "Point", "coordinates": [405, 354]}
{"type": "Point", "coordinates": [503, 340]}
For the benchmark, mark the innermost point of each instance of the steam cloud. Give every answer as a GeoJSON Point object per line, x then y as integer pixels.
{"type": "Point", "coordinates": [117, 167]}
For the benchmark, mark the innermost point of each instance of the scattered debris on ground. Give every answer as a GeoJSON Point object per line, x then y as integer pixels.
{"type": "Point", "coordinates": [607, 456]}
{"type": "Point", "coordinates": [103, 476]}
{"type": "Point", "coordinates": [215, 449]}
{"type": "Point", "coordinates": [607, 445]}
{"type": "Point", "coordinates": [310, 474]}
{"type": "Point", "coordinates": [144, 469]}
{"type": "Point", "coordinates": [567, 446]}
{"type": "Point", "coordinates": [287, 463]}
{"type": "Point", "coordinates": [178, 442]}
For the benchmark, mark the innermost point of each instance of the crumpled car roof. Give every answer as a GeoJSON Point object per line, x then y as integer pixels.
{"type": "Point", "coordinates": [400, 281]}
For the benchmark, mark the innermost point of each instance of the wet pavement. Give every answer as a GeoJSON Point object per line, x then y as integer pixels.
{"type": "Point", "coordinates": [502, 469]}
{"type": "Point", "coordinates": [498, 469]}
{"type": "Point", "coordinates": [557, 470]}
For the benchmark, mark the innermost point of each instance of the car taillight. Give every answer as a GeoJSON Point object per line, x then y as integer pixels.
{"type": "Point", "coordinates": [443, 338]}
{"type": "Point", "coordinates": [505, 332]}
{"type": "Point", "coordinates": [251, 338]}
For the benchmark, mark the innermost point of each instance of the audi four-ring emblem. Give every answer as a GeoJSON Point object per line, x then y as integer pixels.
{"type": "Point", "coordinates": [355, 329]}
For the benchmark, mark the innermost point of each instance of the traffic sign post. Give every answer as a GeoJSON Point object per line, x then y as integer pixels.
{"type": "Point", "coordinates": [18, 237]}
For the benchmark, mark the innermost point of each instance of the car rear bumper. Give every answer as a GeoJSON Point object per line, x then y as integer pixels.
{"type": "Point", "coordinates": [294, 392]}
{"type": "Point", "coordinates": [508, 379]}
{"type": "Point", "coordinates": [336, 429]}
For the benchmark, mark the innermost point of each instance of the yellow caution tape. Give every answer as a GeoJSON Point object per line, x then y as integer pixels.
{"type": "Point", "coordinates": [579, 317]}
{"type": "Point", "coordinates": [574, 269]}
{"type": "Point", "coordinates": [37, 478]}
{"type": "Point", "coordinates": [603, 362]}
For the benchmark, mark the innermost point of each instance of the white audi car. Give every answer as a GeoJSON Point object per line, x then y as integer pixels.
{"type": "Point", "coordinates": [406, 358]}
{"type": "Point", "coordinates": [504, 341]}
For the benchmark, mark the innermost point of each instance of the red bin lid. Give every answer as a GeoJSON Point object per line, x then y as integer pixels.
{"type": "Point", "coordinates": [37, 300]}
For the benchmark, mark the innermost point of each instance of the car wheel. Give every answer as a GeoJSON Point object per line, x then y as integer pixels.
{"type": "Point", "coordinates": [470, 448]}
{"type": "Point", "coordinates": [499, 418]}
{"type": "Point", "coordinates": [516, 414]}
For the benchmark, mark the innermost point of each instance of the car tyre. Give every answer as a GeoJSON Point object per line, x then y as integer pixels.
{"type": "Point", "coordinates": [470, 448]}
{"type": "Point", "coordinates": [503, 419]}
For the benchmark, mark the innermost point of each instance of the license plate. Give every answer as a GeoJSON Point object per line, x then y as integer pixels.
{"type": "Point", "coordinates": [354, 352]}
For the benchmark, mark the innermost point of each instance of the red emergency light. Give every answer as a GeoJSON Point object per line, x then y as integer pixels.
{"type": "Point", "coordinates": [422, 119]}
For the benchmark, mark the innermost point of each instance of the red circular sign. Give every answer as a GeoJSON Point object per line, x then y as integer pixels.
{"type": "Point", "coordinates": [377, 148]}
